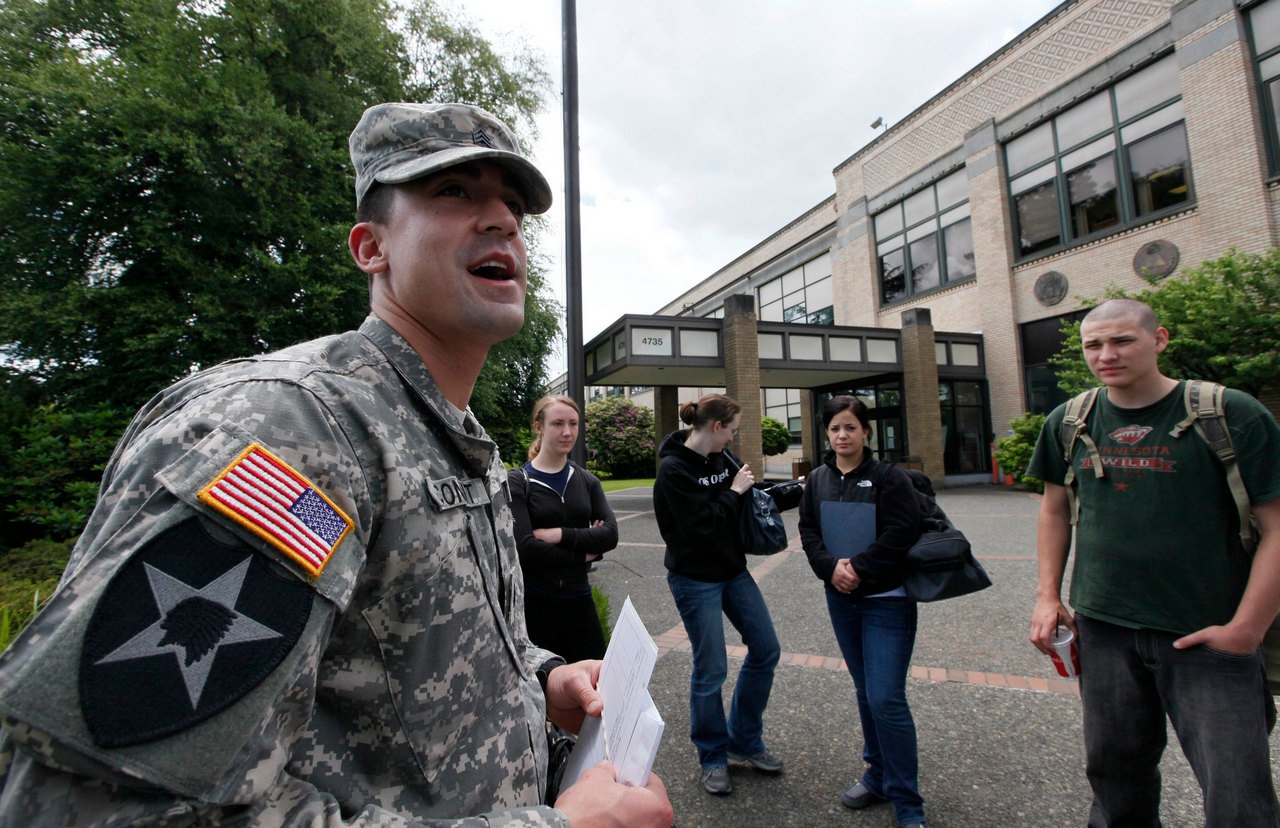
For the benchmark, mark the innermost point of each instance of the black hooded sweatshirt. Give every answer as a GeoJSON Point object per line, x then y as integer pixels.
{"type": "Point", "coordinates": [698, 514]}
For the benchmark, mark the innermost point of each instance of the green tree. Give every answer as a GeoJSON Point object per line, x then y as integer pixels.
{"type": "Point", "coordinates": [174, 181]}
{"type": "Point", "coordinates": [1223, 318]}
{"type": "Point", "coordinates": [1013, 453]}
{"type": "Point", "coordinates": [620, 437]}
{"type": "Point", "coordinates": [774, 436]}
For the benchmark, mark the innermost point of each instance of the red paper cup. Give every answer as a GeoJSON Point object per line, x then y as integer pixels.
{"type": "Point", "coordinates": [1065, 656]}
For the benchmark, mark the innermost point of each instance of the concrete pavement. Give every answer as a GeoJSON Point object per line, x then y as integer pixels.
{"type": "Point", "coordinates": [1000, 738]}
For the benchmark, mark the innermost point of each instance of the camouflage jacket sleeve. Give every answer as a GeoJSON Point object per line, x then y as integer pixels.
{"type": "Point", "coordinates": [296, 603]}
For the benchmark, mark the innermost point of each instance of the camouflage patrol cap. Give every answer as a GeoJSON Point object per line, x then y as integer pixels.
{"type": "Point", "coordinates": [398, 142]}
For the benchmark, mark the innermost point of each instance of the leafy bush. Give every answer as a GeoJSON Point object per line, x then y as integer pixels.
{"type": "Point", "coordinates": [1223, 318]}
{"type": "Point", "coordinates": [620, 438]}
{"type": "Point", "coordinates": [775, 437]}
{"type": "Point", "coordinates": [1014, 453]}
{"type": "Point", "coordinates": [28, 577]}
{"type": "Point", "coordinates": [50, 479]}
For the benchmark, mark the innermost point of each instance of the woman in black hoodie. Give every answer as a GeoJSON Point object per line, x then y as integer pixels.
{"type": "Point", "coordinates": [698, 499]}
{"type": "Point", "coordinates": [563, 523]}
{"type": "Point", "coordinates": [858, 518]}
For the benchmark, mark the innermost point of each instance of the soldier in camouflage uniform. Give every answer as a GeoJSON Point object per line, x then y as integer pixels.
{"type": "Point", "coordinates": [298, 600]}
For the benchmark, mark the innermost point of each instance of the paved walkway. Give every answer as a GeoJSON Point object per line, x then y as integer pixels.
{"type": "Point", "coordinates": [1000, 741]}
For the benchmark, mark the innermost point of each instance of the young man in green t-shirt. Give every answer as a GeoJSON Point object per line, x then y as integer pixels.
{"type": "Point", "coordinates": [1170, 608]}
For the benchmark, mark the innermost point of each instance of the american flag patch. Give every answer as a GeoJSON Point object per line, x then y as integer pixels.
{"type": "Point", "coordinates": [262, 493]}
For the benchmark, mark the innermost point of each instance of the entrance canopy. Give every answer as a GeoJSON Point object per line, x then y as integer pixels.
{"type": "Point", "coordinates": [687, 351]}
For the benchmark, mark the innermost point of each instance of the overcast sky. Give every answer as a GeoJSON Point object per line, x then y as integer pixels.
{"type": "Point", "coordinates": [706, 126]}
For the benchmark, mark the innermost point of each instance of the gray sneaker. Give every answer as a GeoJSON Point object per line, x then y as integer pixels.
{"type": "Point", "coordinates": [766, 760]}
{"type": "Point", "coordinates": [716, 780]}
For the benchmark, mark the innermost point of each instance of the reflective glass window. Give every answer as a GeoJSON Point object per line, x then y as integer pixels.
{"type": "Point", "coordinates": [924, 264]}
{"type": "Point", "coordinates": [1147, 88]}
{"type": "Point", "coordinates": [1025, 151]}
{"type": "Point", "coordinates": [1091, 191]}
{"type": "Point", "coordinates": [1038, 222]}
{"type": "Point", "coordinates": [1084, 121]}
{"type": "Point", "coordinates": [892, 284]}
{"type": "Point", "coordinates": [1159, 168]}
{"type": "Point", "coordinates": [957, 240]}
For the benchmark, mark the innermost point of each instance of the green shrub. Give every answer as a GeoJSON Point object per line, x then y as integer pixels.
{"type": "Point", "coordinates": [620, 438]}
{"type": "Point", "coordinates": [775, 437]}
{"type": "Point", "coordinates": [28, 577]}
{"type": "Point", "coordinates": [1013, 453]}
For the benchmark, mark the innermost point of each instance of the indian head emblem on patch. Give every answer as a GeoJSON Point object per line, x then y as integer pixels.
{"type": "Point", "coordinates": [262, 493]}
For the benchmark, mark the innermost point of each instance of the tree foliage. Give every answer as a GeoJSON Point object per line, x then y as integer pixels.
{"type": "Point", "coordinates": [176, 186]}
{"type": "Point", "coordinates": [775, 437]}
{"type": "Point", "coordinates": [1223, 318]}
{"type": "Point", "coordinates": [1013, 453]}
{"type": "Point", "coordinates": [620, 437]}
{"type": "Point", "coordinates": [175, 190]}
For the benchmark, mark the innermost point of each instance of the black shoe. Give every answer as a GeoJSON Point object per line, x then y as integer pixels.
{"type": "Point", "coordinates": [859, 797]}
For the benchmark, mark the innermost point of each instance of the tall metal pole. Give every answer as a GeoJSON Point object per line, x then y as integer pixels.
{"type": "Point", "coordinates": [574, 356]}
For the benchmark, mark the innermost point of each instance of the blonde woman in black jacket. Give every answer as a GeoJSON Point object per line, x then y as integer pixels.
{"type": "Point", "coordinates": [563, 523]}
{"type": "Point", "coordinates": [698, 499]}
{"type": "Point", "coordinates": [858, 518]}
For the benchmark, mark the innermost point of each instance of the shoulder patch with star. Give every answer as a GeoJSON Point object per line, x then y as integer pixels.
{"type": "Point", "coordinates": [185, 629]}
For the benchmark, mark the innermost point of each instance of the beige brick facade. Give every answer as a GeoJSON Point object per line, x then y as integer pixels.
{"type": "Point", "coordinates": [1081, 48]}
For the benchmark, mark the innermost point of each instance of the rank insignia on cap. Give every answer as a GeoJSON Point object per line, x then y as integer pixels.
{"type": "Point", "coordinates": [262, 493]}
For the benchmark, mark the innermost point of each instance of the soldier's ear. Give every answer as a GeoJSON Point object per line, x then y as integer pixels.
{"type": "Point", "coordinates": [365, 243]}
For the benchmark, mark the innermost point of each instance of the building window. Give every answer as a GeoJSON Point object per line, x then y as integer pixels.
{"type": "Point", "coordinates": [925, 241]}
{"type": "Point", "coordinates": [783, 405]}
{"type": "Point", "coordinates": [1264, 28]}
{"type": "Point", "coordinates": [803, 296]}
{"type": "Point", "coordinates": [1114, 160]}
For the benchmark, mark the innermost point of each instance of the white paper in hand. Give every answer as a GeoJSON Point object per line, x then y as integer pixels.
{"type": "Point", "coordinates": [630, 730]}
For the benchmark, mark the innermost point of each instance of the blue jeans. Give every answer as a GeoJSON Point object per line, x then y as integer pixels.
{"type": "Point", "coordinates": [700, 604]}
{"type": "Point", "coordinates": [1220, 710]}
{"type": "Point", "coordinates": [876, 638]}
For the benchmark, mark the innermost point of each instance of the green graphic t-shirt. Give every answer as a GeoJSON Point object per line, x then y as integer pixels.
{"type": "Point", "coordinates": [1157, 545]}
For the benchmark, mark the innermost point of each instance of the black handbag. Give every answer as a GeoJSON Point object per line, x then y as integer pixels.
{"type": "Point", "coordinates": [763, 532]}
{"type": "Point", "coordinates": [761, 529]}
{"type": "Point", "coordinates": [941, 564]}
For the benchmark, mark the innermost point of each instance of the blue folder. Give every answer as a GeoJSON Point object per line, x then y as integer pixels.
{"type": "Point", "coordinates": [847, 528]}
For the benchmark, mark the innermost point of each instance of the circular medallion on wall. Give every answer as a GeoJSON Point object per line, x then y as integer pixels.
{"type": "Point", "coordinates": [1156, 260]}
{"type": "Point", "coordinates": [1051, 288]}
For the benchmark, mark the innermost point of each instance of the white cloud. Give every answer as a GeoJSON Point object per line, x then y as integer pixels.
{"type": "Point", "coordinates": [704, 127]}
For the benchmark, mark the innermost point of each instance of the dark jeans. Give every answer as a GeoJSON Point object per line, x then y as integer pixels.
{"type": "Point", "coordinates": [700, 604]}
{"type": "Point", "coordinates": [1220, 710]}
{"type": "Point", "coordinates": [876, 638]}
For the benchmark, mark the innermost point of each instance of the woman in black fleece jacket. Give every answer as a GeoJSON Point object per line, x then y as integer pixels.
{"type": "Point", "coordinates": [562, 523]}
{"type": "Point", "coordinates": [870, 513]}
{"type": "Point", "coordinates": [698, 499]}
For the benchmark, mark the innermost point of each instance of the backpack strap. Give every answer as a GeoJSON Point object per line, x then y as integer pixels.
{"type": "Point", "coordinates": [1207, 412]}
{"type": "Point", "coordinates": [1075, 426]}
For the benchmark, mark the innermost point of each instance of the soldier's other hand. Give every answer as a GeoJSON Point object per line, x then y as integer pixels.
{"type": "Point", "coordinates": [597, 800]}
{"type": "Point", "coordinates": [571, 694]}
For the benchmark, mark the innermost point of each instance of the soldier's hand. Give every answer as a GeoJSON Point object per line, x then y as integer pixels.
{"type": "Point", "coordinates": [597, 800]}
{"type": "Point", "coordinates": [571, 694]}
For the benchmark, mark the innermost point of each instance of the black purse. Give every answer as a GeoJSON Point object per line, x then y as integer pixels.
{"type": "Point", "coordinates": [760, 529]}
{"type": "Point", "coordinates": [941, 564]}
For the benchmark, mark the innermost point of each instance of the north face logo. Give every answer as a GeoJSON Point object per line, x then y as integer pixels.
{"type": "Point", "coordinates": [1130, 435]}
{"type": "Point", "coordinates": [481, 138]}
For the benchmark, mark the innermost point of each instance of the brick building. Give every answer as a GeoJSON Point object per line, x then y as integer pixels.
{"type": "Point", "coordinates": [1112, 140]}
